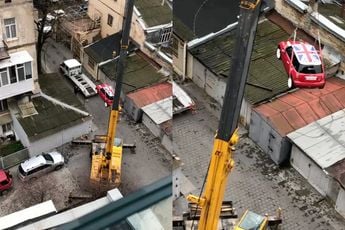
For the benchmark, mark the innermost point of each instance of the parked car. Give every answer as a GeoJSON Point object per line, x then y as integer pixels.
{"type": "Point", "coordinates": [303, 63]}
{"type": "Point", "coordinates": [39, 165]}
{"type": "Point", "coordinates": [106, 92]}
{"type": "Point", "coordinates": [5, 181]}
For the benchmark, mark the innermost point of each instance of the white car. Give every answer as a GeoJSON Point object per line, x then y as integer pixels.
{"type": "Point", "coordinates": [39, 165]}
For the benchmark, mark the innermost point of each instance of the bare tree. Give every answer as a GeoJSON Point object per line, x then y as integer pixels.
{"type": "Point", "coordinates": [43, 7]}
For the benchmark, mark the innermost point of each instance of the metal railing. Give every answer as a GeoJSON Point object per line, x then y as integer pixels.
{"type": "Point", "coordinates": [14, 159]}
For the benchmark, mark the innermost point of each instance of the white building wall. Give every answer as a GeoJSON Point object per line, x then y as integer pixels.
{"type": "Point", "coordinates": [154, 128]}
{"type": "Point", "coordinates": [309, 170]}
{"type": "Point", "coordinates": [60, 138]}
{"type": "Point", "coordinates": [340, 203]}
{"type": "Point", "coordinates": [20, 133]}
{"type": "Point", "coordinates": [23, 12]}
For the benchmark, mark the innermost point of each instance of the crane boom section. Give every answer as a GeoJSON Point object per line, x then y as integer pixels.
{"type": "Point", "coordinates": [241, 57]}
{"type": "Point", "coordinates": [114, 114]}
{"type": "Point", "coordinates": [221, 159]}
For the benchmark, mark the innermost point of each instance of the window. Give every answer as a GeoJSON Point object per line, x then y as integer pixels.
{"type": "Point", "coordinates": [6, 127]}
{"type": "Point", "coordinates": [4, 77]}
{"type": "Point", "coordinates": [48, 157]}
{"type": "Point", "coordinates": [312, 69]}
{"type": "Point", "coordinates": [8, 1]}
{"type": "Point", "coordinates": [13, 75]}
{"type": "Point", "coordinates": [10, 27]}
{"type": "Point", "coordinates": [110, 20]}
{"type": "Point", "coordinates": [20, 72]}
{"type": "Point", "coordinates": [295, 63]}
{"type": "Point", "coordinates": [165, 35]}
{"type": "Point", "coordinates": [91, 63]}
{"type": "Point", "coordinates": [28, 73]}
{"type": "Point", "coordinates": [3, 105]}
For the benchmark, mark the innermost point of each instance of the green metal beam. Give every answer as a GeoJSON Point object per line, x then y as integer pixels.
{"type": "Point", "coordinates": [118, 211]}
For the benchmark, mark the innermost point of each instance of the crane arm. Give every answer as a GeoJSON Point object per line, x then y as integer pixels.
{"type": "Point", "coordinates": [114, 113]}
{"type": "Point", "coordinates": [221, 159]}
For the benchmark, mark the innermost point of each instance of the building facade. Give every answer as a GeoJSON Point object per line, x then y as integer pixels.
{"type": "Point", "coordinates": [18, 67]}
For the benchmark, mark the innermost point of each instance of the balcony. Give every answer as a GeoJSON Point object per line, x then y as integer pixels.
{"type": "Point", "coordinates": [3, 51]}
{"type": "Point", "coordinates": [16, 75]}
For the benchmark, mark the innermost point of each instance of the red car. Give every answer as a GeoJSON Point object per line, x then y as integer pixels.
{"type": "Point", "coordinates": [106, 92]}
{"type": "Point", "coordinates": [5, 181]}
{"type": "Point", "coordinates": [306, 70]}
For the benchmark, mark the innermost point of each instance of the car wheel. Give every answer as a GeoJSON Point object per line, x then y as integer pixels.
{"type": "Point", "coordinates": [58, 167]}
{"type": "Point", "coordinates": [278, 53]}
{"type": "Point", "coordinates": [290, 83]}
{"type": "Point", "coordinates": [105, 104]}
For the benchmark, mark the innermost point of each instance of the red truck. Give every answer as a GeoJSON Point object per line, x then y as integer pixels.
{"type": "Point", "coordinates": [5, 181]}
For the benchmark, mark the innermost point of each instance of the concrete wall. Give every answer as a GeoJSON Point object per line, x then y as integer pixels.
{"type": "Point", "coordinates": [214, 86]}
{"type": "Point", "coordinates": [60, 138]}
{"type": "Point", "coordinates": [310, 170]}
{"type": "Point", "coordinates": [132, 110]}
{"type": "Point", "coordinates": [178, 61]}
{"type": "Point", "coordinates": [91, 71]}
{"type": "Point", "coordinates": [323, 183]}
{"type": "Point", "coordinates": [304, 21]}
{"type": "Point", "coordinates": [18, 129]}
{"type": "Point", "coordinates": [269, 140]}
{"type": "Point", "coordinates": [167, 143]}
{"type": "Point", "coordinates": [153, 127]}
{"type": "Point", "coordinates": [24, 15]}
{"type": "Point", "coordinates": [340, 204]}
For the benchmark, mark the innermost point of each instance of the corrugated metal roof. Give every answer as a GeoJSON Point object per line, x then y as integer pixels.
{"type": "Point", "coordinates": [139, 73]}
{"type": "Point", "coordinates": [298, 109]}
{"type": "Point", "coordinates": [261, 84]}
{"type": "Point", "coordinates": [323, 140]}
{"type": "Point", "coordinates": [151, 94]}
{"type": "Point", "coordinates": [160, 111]}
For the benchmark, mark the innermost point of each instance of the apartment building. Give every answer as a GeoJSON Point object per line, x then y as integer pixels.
{"type": "Point", "coordinates": [18, 68]}
{"type": "Point", "coordinates": [151, 25]}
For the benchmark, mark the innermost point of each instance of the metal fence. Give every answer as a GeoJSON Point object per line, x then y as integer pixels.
{"type": "Point", "coordinates": [14, 159]}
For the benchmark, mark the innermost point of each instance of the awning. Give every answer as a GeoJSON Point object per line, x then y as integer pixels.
{"type": "Point", "coordinates": [5, 118]}
{"type": "Point", "coordinates": [16, 58]}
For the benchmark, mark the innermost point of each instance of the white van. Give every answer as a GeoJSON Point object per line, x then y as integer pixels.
{"type": "Point", "coordinates": [70, 67]}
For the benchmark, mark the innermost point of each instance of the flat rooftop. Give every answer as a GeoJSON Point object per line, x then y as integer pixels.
{"type": "Point", "coordinates": [153, 12]}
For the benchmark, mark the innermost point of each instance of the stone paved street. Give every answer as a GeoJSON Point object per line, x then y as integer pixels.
{"type": "Point", "coordinates": [256, 183]}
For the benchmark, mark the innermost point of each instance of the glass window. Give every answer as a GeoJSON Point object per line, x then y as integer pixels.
{"type": "Point", "coordinates": [110, 20]}
{"type": "Point", "coordinates": [310, 69]}
{"type": "Point", "coordinates": [6, 127]}
{"type": "Point", "coordinates": [109, 97]}
{"type": "Point", "coordinates": [3, 105]}
{"type": "Point", "coordinates": [13, 75]}
{"type": "Point", "coordinates": [10, 27]}
{"type": "Point", "coordinates": [295, 63]}
{"type": "Point", "coordinates": [48, 157]}
{"type": "Point", "coordinates": [20, 71]}
{"type": "Point", "coordinates": [28, 72]}
{"type": "Point", "coordinates": [21, 170]}
{"type": "Point", "coordinates": [4, 77]}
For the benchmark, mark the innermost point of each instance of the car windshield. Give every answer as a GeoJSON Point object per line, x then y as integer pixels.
{"type": "Point", "coordinates": [48, 157]}
{"type": "Point", "coordinates": [312, 69]}
{"type": "Point", "coordinates": [21, 170]}
{"type": "Point", "coordinates": [110, 97]}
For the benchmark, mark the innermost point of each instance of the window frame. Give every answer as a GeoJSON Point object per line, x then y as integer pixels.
{"type": "Point", "coordinates": [110, 20]}
{"type": "Point", "coordinates": [9, 27]}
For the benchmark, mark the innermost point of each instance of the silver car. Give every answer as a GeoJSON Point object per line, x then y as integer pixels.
{"type": "Point", "coordinates": [40, 165]}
